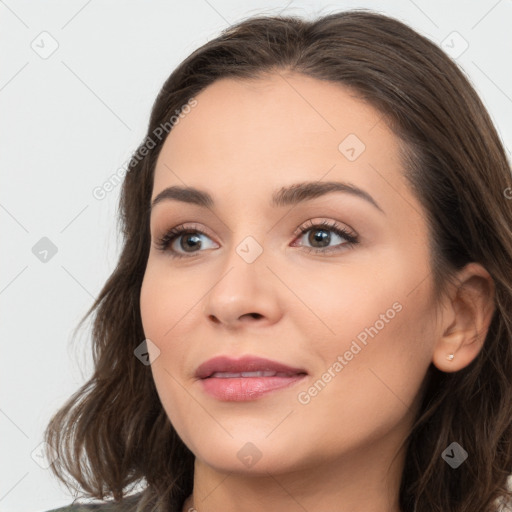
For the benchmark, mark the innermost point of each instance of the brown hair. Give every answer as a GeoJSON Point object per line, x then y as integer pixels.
{"type": "Point", "coordinates": [113, 433]}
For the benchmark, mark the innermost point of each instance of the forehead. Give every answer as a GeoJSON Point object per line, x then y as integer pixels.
{"type": "Point", "coordinates": [250, 136]}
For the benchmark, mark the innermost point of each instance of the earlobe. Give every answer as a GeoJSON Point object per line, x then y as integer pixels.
{"type": "Point", "coordinates": [471, 306]}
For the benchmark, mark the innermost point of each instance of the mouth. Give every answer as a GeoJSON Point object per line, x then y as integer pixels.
{"type": "Point", "coordinates": [262, 373]}
{"type": "Point", "coordinates": [247, 378]}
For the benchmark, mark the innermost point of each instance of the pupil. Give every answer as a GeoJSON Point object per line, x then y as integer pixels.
{"type": "Point", "coordinates": [319, 238]}
{"type": "Point", "coordinates": [188, 238]}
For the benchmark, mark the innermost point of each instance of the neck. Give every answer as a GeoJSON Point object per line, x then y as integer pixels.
{"type": "Point", "coordinates": [365, 480]}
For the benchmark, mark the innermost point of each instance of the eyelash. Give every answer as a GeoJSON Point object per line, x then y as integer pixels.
{"type": "Point", "coordinates": [170, 236]}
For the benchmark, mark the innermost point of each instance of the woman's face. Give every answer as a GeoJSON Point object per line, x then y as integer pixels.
{"type": "Point", "coordinates": [350, 314]}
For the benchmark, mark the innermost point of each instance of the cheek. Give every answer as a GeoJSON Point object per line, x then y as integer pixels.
{"type": "Point", "coordinates": [160, 313]}
{"type": "Point", "coordinates": [371, 334]}
{"type": "Point", "coordinates": [371, 374]}
{"type": "Point", "coordinates": [379, 294]}
{"type": "Point", "coordinates": [343, 304]}
{"type": "Point", "coordinates": [168, 301]}
{"type": "Point", "coordinates": [169, 305]}
{"type": "Point", "coordinates": [165, 322]}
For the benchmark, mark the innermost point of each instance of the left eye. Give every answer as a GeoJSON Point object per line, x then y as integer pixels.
{"type": "Point", "coordinates": [319, 234]}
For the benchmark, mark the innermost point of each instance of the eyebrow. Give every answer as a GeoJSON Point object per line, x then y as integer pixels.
{"type": "Point", "coordinates": [285, 196]}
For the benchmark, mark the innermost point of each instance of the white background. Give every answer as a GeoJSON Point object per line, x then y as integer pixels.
{"type": "Point", "coordinates": [69, 121]}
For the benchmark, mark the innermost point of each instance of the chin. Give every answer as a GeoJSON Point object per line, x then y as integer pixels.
{"type": "Point", "coordinates": [248, 454]}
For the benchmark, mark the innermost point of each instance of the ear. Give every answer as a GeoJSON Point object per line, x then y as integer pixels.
{"type": "Point", "coordinates": [466, 318]}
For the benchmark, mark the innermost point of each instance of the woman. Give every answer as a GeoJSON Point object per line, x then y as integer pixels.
{"type": "Point", "coordinates": [342, 338]}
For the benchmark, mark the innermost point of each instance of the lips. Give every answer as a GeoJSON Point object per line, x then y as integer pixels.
{"type": "Point", "coordinates": [245, 379]}
{"type": "Point", "coordinates": [247, 366]}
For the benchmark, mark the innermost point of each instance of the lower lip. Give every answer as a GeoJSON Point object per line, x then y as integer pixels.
{"type": "Point", "coordinates": [240, 389]}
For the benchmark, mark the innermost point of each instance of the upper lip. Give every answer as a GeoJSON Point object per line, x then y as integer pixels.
{"type": "Point", "coordinates": [243, 364]}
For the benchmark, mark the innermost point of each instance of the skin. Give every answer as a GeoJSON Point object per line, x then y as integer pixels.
{"type": "Point", "coordinates": [341, 450]}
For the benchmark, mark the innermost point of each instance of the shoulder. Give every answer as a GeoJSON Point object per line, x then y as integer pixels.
{"type": "Point", "coordinates": [76, 508]}
{"type": "Point", "coordinates": [82, 507]}
{"type": "Point", "coordinates": [126, 505]}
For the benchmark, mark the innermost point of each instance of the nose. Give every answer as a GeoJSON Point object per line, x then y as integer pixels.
{"type": "Point", "coordinates": [245, 294]}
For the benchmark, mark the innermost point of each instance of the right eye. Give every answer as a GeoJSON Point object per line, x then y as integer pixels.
{"type": "Point", "coordinates": [190, 238]}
